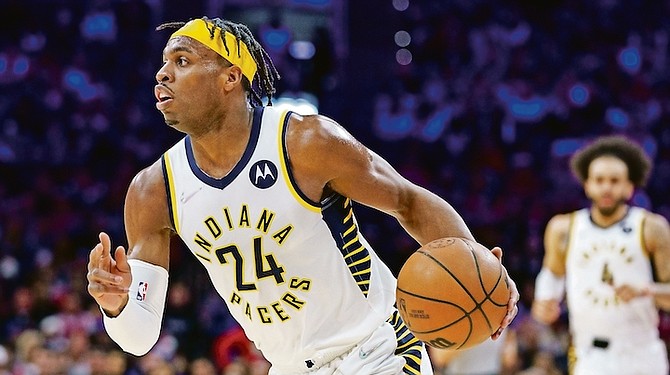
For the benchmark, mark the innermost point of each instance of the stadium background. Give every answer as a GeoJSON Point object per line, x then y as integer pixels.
{"type": "Point", "coordinates": [478, 100]}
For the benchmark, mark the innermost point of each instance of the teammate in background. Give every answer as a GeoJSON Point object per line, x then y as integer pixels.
{"type": "Point", "coordinates": [487, 358]}
{"type": "Point", "coordinates": [263, 199]}
{"type": "Point", "coordinates": [612, 261]}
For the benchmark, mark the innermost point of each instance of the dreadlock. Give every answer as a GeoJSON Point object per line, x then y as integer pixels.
{"type": "Point", "coordinates": [267, 73]}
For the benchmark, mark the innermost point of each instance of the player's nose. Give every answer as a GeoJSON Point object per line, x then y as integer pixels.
{"type": "Point", "coordinates": [163, 75]}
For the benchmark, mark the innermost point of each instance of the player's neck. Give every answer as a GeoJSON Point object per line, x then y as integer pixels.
{"type": "Point", "coordinates": [217, 151]}
{"type": "Point", "coordinates": [606, 219]}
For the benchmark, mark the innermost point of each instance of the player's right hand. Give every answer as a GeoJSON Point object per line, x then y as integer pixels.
{"type": "Point", "coordinates": [546, 311]}
{"type": "Point", "coordinates": [108, 278]}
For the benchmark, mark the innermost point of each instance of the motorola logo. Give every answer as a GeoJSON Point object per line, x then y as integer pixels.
{"type": "Point", "coordinates": [263, 174]}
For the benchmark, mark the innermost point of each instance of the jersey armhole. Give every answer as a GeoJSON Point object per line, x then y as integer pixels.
{"type": "Point", "coordinates": [286, 167]}
{"type": "Point", "coordinates": [569, 234]}
{"type": "Point", "coordinates": [645, 250]}
{"type": "Point", "coordinates": [168, 178]}
{"type": "Point", "coordinates": [643, 244]}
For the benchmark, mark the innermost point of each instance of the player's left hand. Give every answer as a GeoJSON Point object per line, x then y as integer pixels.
{"type": "Point", "coordinates": [627, 292]}
{"type": "Point", "coordinates": [512, 308]}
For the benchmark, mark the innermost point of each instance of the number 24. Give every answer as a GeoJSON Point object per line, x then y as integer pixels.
{"type": "Point", "coordinates": [273, 270]}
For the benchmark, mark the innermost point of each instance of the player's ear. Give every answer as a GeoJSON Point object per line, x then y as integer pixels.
{"type": "Point", "coordinates": [585, 186]}
{"type": "Point", "coordinates": [630, 190]}
{"type": "Point", "coordinates": [233, 75]}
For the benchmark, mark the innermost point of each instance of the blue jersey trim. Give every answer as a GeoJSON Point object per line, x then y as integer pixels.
{"type": "Point", "coordinates": [287, 162]}
{"type": "Point", "coordinates": [221, 183]}
{"type": "Point", "coordinates": [169, 192]}
{"type": "Point", "coordinates": [337, 212]}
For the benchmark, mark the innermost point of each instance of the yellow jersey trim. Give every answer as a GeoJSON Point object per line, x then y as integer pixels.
{"type": "Point", "coordinates": [283, 156]}
{"type": "Point", "coordinates": [171, 191]}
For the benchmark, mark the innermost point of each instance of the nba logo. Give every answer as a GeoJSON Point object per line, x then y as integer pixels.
{"type": "Point", "coordinates": [142, 291]}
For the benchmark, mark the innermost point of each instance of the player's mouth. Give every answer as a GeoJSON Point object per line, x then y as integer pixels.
{"type": "Point", "coordinates": [607, 200]}
{"type": "Point", "coordinates": [607, 203]}
{"type": "Point", "coordinates": [163, 97]}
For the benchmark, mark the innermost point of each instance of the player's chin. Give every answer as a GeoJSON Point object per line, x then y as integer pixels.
{"type": "Point", "coordinates": [170, 120]}
{"type": "Point", "coordinates": [171, 123]}
{"type": "Point", "coordinates": [607, 209]}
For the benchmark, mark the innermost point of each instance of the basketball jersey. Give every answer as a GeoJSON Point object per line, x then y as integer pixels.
{"type": "Point", "coordinates": [297, 275]}
{"type": "Point", "coordinates": [485, 358]}
{"type": "Point", "coordinates": [598, 260]}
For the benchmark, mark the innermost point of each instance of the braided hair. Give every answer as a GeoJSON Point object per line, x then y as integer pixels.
{"type": "Point", "coordinates": [267, 73]}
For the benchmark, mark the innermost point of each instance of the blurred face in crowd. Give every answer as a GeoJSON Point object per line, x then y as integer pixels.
{"type": "Point", "coordinates": [608, 185]}
{"type": "Point", "coordinates": [189, 92]}
{"type": "Point", "coordinates": [202, 366]}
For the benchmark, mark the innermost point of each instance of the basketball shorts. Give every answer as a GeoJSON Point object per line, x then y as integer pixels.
{"type": "Point", "coordinates": [621, 357]}
{"type": "Point", "coordinates": [390, 350]}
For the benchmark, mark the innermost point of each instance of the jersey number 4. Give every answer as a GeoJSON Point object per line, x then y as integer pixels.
{"type": "Point", "coordinates": [260, 260]}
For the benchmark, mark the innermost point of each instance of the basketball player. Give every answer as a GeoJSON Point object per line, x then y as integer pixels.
{"type": "Point", "coordinates": [487, 358]}
{"type": "Point", "coordinates": [612, 261]}
{"type": "Point", "coordinates": [263, 199]}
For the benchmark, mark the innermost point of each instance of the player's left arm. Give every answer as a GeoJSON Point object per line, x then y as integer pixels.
{"type": "Point", "coordinates": [656, 239]}
{"type": "Point", "coordinates": [352, 170]}
{"type": "Point", "coordinates": [337, 162]}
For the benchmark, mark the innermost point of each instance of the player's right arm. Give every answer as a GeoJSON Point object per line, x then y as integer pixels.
{"type": "Point", "coordinates": [550, 283]}
{"type": "Point", "coordinates": [130, 288]}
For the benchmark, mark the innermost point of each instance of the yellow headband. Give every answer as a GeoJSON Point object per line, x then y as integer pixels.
{"type": "Point", "coordinates": [199, 30]}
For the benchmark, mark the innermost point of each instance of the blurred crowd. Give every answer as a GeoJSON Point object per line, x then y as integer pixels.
{"type": "Point", "coordinates": [493, 102]}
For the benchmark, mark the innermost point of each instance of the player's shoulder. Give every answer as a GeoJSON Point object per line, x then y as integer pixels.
{"type": "Point", "coordinates": [146, 200]}
{"type": "Point", "coordinates": [314, 127]}
{"type": "Point", "coordinates": [316, 133]}
{"type": "Point", "coordinates": [149, 180]}
{"type": "Point", "coordinates": [560, 223]}
{"type": "Point", "coordinates": [655, 221]}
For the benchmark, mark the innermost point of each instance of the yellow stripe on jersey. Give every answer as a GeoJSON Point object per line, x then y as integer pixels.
{"type": "Point", "coordinates": [571, 235]}
{"type": "Point", "coordinates": [283, 155]}
{"type": "Point", "coordinates": [572, 359]}
{"type": "Point", "coordinates": [351, 229]}
{"type": "Point", "coordinates": [408, 369]}
{"type": "Point", "coordinates": [171, 191]}
{"type": "Point", "coordinates": [408, 346]}
{"type": "Point", "coordinates": [355, 252]}
{"type": "Point", "coordinates": [367, 258]}
{"type": "Point", "coordinates": [349, 215]}
{"type": "Point", "coordinates": [363, 272]}
{"type": "Point", "coordinates": [354, 240]}
{"type": "Point", "coordinates": [643, 246]}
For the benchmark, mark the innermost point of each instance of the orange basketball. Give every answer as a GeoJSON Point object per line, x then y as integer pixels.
{"type": "Point", "coordinates": [452, 293]}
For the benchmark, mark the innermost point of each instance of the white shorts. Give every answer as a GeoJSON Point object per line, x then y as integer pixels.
{"type": "Point", "coordinates": [621, 358]}
{"type": "Point", "coordinates": [390, 350]}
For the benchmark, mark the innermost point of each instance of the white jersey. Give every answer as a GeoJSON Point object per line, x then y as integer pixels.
{"type": "Point", "coordinates": [485, 358]}
{"type": "Point", "coordinates": [297, 275]}
{"type": "Point", "coordinates": [598, 259]}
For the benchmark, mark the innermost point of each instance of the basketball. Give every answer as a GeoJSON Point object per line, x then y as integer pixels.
{"type": "Point", "coordinates": [452, 293]}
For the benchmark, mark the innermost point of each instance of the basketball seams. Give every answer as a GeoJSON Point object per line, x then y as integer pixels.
{"type": "Point", "coordinates": [466, 315]}
{"type": "Point", "coordinates": [478, 305]}
{"type": "Point", "coordinates": [440, 294]}
{"type": "Point", "coordinates": [487, 294]}
{"type": "Point", "coordinates": [481, 284]}
{"type": "Point", "coordinates": [500, 277]}
{"type": "Point", "coordinates": [451, 273]}
{"type": "Point", "coordinates": [431, 299]}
